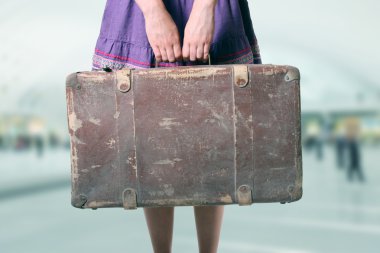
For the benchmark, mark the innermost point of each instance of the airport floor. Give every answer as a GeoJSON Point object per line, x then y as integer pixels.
{"type": "Point", "coordinates": [334, 215]}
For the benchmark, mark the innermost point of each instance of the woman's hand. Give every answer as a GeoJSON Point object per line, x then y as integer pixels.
{"type": "Point", "coordinates": [161, 30]}
{"type": "Point", "coordinates": [199, 31]}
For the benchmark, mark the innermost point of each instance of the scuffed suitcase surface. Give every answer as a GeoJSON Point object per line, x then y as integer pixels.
{"type": "Point", "coordinates": [93, 116]}
{"type": "Point", "coordinates": [185, 136]}
{"type": "Point", "coordinates": [277, 173]}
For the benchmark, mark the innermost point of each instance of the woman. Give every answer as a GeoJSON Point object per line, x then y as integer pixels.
{"type": "Point", "coordinates": [137, 33]}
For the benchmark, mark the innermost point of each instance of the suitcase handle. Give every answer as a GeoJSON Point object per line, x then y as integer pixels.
{"type": "Point", "coordinates": [156, 63]}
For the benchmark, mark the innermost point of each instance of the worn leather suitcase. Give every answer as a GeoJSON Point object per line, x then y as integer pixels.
{"type": "Point", "coordinates": [185, 136]}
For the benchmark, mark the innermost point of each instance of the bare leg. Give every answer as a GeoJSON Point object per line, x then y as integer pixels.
{"type": "Point", "coordinates": [160, 224]}
{"type": "Point", "coordinates": [208, 220]}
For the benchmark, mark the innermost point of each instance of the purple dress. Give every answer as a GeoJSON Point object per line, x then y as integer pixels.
{"type": "Point", "coordinates": [123, 42]}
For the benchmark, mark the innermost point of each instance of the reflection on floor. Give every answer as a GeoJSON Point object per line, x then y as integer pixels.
{"type": "Point", "coordinates": [333, 216]}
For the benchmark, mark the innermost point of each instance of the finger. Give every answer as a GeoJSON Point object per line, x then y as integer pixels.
{"type": "Point", "coordinates": [193, 53]}
{"type": "Point", "coordinates": [186, 51]}
{"type": "Point", "coordinates": [206, 52]}
{"type": "Point", "coordinates": [157, 53]}
{"type": "Point", "coordinates": [200, 52]}
{"type": "Point", "coordinates": [177, 52]}
{"type": "Point", "coordinates": [163, 54]}
{"type": "Point", "coordinates": [170, 53]}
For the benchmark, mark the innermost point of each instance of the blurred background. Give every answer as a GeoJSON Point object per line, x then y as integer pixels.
{"type": "Point", "coordinates": [335, 44]}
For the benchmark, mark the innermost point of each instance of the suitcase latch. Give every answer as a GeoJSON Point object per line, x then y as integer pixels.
{"type": "Point", "coordinates": [129, 199]}
{"type": "Point", "coordinates": [292, 74]}
{"type": "Point", "coordinates": [241, 75]}
{"type": "Point", "coordinates": [244, 195]}
{"type": "Point", "coordinates": [123, 79]}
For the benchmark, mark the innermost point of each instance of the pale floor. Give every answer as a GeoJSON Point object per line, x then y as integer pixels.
{"type": "Point", "coordinates": [333, 215]}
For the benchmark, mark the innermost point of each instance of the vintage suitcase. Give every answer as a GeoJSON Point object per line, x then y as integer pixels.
{"type": "Point", "coordinates": [202, 135]}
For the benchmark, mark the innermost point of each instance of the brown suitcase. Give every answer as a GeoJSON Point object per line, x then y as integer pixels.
{"type": "Point", "coordinates": [185, 136]}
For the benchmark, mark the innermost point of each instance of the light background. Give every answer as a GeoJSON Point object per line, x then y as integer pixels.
{"type": "Point", "coordinates": [335, 44]}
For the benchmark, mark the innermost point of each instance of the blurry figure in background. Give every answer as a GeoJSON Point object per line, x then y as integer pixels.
{"type": "Point", "coordinates": [2, 136]}
{"type": "Point", "coordinates": [2, 142]}
{"type": "Point", "coordinates": [340, 146]}
{"type": "Point", "coordinates": [53, 140]}
{"type": "Point", "coordinates": [23, 142]}
{"type": "Point", "coordinates": [313, 138]}
{"type": "Point", "coordinates": [352, 127]}
{"type": "Point", "coordinates": [39, 142]}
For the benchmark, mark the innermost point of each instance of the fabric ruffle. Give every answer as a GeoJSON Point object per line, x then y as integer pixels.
{"type": "Point", "coordinates": [116, 54]}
